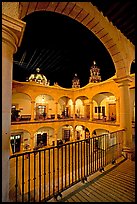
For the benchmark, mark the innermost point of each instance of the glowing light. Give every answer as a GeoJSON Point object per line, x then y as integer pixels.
{"type": "Point", "coordinates": [94, 62]}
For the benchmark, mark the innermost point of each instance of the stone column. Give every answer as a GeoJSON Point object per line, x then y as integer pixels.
{"type": "Point", "coordinates": [12, 31]}
{"type": "Point", "coordinates": [91, 110]}
{"type": "Point", "coordinates": [56, 113]}
{"type": "Point", "coordinates": [125, 114]}
{"type": "Point", "coordinates": [32, 110]}
{"type": "Point", "coordinates": [117, 110]}
{"type": "Point", "coordinates": [83, 110]}
{"type": "Point", "coordinates": [74, 110]}
{"type": "Point", "coordinates": [56, 136]}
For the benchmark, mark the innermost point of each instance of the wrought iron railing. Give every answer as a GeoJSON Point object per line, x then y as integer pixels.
{"type": "Point", "coordinates": [43, 174]}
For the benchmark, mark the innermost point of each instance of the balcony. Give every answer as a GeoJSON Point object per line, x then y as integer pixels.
{"type": "Point", "coordinates": [46, 174]}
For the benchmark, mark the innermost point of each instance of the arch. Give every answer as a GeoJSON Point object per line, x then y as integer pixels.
{"type": "Point", "coordinates": [97, 132]}
{"type": "Point", "coordinates": [65, 133]}
{"type": "Point", "coordinates": [22, 101]}
{"type": "Point", "coordinates": [43, 104]}
{"type": "Point", "coordinates": [45, 132]}
{"type": "Point", "coordinates": [19, 93]}
{"type": "Point", "coordinates": [65, 106]}
{"type": "Point", "coordinates": [104, 105]}
{"type": "Point", "coordinates": [88, 15]}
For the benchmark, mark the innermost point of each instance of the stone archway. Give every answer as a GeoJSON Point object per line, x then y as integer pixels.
{"type": "Point", "coordinates": [87, 14]}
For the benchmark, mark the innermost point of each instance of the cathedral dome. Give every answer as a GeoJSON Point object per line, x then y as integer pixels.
{"type": "Point", "coordinates": [38, 78]}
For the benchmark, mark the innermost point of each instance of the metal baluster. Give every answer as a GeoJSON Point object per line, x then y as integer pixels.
{"type": "Point", "coordinates": [81, 159]}
{"type": "Point", "coordinates": [49, 172]}
{"type": "Point", "coordinates": [69, 163]}
{"type": "Point", "coordinates": [29, 177]}
{"type": "Point", "coordinates": [84, 157]}
{"type": "Point", "coordinates": [72, 163]}
{"type": "Point", "coordinates": [44, 174]}
{"type": "Point", "coordinates": [78, 162]}
{"type": "Point", "coordinates": [75, 163]}
{"type": "Point", "coordinates": [34, 173]}
{"type": "Point", "coordinates": [92, 155]}
{"type": "Point", "coordinates": [87, 158]}
{"type": "Point", "coordinates": [97, 152]}
{"type": "Point", "coordinates": [58, 166]}
{"type": "Point", "coordinates": [53, 172]}
{"type": "Point", "coordinates": [23, 178]}
{"type": "Point", "coordinates": [16, 186]}
{"type": "Point", "coordinates": [65, 166]}
{"type": "Point", "coordinates": [62, 166]}
{"type": "Point", "coordinates": [39, 176]}
{"type": "Point", "coordinates": [89, 155]}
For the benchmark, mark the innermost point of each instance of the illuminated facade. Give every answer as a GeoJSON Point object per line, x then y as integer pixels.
{"type": "Point", "coordinates": [64, 114]}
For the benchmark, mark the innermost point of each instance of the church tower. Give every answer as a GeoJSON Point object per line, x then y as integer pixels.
{"type": "Point", "coordinates": [94, 74]}
{"type": "Point", "coordinates": [75, 82]}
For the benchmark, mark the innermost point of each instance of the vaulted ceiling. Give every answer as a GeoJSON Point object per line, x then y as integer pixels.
{"type": "Point", "coordinates": [61, 47]}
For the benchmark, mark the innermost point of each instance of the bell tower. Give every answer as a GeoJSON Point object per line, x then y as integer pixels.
{"type": "Point", "coordinates": [94, 73]}
{"type": "Point", "coordinates": [75, 82]}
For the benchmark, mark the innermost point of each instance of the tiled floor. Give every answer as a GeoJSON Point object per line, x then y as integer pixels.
{"type": "Point", "coordinates": [114, 185]}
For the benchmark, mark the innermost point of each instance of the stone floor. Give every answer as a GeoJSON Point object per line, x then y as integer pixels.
{"type": "Point", "coordinates": [115, 184]}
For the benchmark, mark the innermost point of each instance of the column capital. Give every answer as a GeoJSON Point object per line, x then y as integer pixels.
{"type": "Point", "coordinates": [12, 31]}
{"type": "Point", "coordinates": [122, 81]}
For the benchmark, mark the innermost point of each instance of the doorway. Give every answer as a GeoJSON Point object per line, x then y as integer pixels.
{"type": "Point", "coordinates": [15, 141]}
{"type": "Point", "coordinates": [40, 112]}
{"type": "Point", "coordinates": [42, 138]}
{"type": "Point", "coordinates": [112, 111]}
{"type": "Point", "coordinates": [66, 135]}
{"type": "Point", "coordinates": [87, 114]}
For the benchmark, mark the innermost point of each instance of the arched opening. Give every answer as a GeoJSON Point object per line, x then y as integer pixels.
{"type": "Point", "coordinates": [104, 107]}
{"type": "Point", "coordinates": [45, 107]}
{"type": "Point", "coordinates": [21, 107]}
{"type": "Point", "coordinates": [65, 47]}
{"type": "Point", "coordinates": [82, 107]}
{"type": "Point", "coordinates": [65, 107]}
{"type": "Point", "coordinates": [44, 136]}
{"type": "Point", "coordinates": [65, 133]}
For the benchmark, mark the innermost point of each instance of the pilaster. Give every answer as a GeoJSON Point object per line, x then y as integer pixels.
{"type": "Point", "coordinates": [32, 110]}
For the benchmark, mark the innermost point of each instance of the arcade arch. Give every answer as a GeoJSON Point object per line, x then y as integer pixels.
{"type": "Point", "coordinates": [44, 106]}
{"type": "Point", "coordinates": [22, 103]}
{"type": "Point", "coordinates": [82, 107]}
{"type": "Point", "coordinates": [65, 107]}
{"type": "Point", "coordinates": [66, 133]}
{"type": "Point", "coordinates": [104, 106]}
{"type": "Point", "coordinates": [90, 17]}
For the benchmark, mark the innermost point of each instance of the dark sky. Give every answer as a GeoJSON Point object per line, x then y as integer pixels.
{"type": "Point", "coordinates": [60, 47]}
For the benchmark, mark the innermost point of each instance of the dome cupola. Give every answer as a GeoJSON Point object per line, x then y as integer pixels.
{"type": "Point", "coordinates": [38, 78]}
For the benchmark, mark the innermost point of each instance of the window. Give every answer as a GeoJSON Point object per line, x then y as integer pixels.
{"type": "Point", "coordinates": [95, 109]}
{"type": "Point", "coordinates": [99, 109]}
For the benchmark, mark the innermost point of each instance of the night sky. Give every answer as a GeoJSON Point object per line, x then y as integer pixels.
{"type": "Point", "coordinates": [60, 47]}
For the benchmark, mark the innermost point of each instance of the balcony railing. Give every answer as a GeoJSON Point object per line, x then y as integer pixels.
{"type": "Point", "coordinates": [43, 174]}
